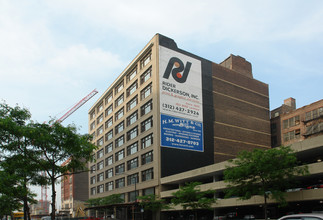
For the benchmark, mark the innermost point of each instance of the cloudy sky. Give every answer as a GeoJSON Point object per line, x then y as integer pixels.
{"type": "Point", "coordinates": [53, 53]}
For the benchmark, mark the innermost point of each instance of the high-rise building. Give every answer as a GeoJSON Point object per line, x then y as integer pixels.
{"type": "Point", "coordinates": [171, 111]}
{"type": "Point", "coordinates": [290, 125]}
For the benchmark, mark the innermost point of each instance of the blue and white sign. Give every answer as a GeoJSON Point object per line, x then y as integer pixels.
{"type": "Point", "coordinates": [181, 107]}
{"type": "Point", "coordinates": [181, 133]}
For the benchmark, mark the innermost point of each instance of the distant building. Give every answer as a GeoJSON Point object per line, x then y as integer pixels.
{"type": "Point", "coordinates": [74, 192]}
{"type": "Point", "coordinates": [290, 125]}
{"type": "Point", "coordinates": [171, 111]}
{"type": "Point", "coordinates": [40, 208]}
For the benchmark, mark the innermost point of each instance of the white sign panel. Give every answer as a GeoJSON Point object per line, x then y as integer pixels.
{"type": "Point", "coordinates": [181, 106]}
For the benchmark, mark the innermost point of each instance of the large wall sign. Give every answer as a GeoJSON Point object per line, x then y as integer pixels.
{"type": "Point", "coordinates": [181, 107]}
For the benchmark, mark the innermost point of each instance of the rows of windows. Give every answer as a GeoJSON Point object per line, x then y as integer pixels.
{"type": "Point", "coordinates": [123, 181]}
{"type": "Point", "coordinates": [295, 134]}
{"type": "Point", "coordinates": [131, 164]}
{"type": "Point", "coordinates": [121, 98]}
{"type": "Point", "coordinates": [130, 120]}
{"type": "Point", "coordinates": [291, 122]}
{"type": "Point", "coordinates": [314, 114]}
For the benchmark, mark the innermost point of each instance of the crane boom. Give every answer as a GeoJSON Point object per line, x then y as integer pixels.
{"type": "Point", "coordinates": [77, 106]}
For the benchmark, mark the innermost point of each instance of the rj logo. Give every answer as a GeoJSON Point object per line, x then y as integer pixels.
{"type": "Point", "coordinates": [178, 70]}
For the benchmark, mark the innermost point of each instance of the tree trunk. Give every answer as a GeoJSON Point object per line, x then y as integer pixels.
{"type": "Point", "coordinates": [53, 199]}
{"type": "Point", "coordinates": [265, 206]}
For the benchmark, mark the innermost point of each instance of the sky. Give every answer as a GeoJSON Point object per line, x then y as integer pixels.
{"type": "Point", "coordinates": [54, 53]}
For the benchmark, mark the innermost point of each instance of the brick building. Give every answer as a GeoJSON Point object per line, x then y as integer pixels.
{"type": "Point", "coordinates": [290, 125]}
{"type": "Point", "coordinates": [171, 111]}
{"type": "Point", "coordinates": [74, 191]}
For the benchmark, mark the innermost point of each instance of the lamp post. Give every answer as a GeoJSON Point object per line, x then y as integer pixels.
{"type": "Point", "coordinates": [133, 206]}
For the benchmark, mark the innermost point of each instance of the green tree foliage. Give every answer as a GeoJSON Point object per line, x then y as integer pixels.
{"type": "Point", "coordinates": [14, 164]}
{"type": "Point", "coordinates": [191, 197]}
{"type": "Point", "coordinates": [42, 148]}
{"type": "Point", "coordinates": [152, 203]}
{"type": "Point", "coordinates": [54, 144]}
{"type": "Point", "coordinates": [267, 173]}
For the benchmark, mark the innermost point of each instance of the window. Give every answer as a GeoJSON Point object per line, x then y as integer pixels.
{"type": "Point", "coordinates": [100, 119]}
{"type": "Point", "coordinates": [108, 99]}
{"type": "Point", "coordinates": [132, 75]}
{"type": "Point", "coordinates": [119, 101]}
{"type": "Point", "coordinates": [109, 148]}
{"type": "Point", "coordinates": [119, 128]}
{"type": "Point", "coordinates": [147, 174]}
{"type": "Point", "coordinates": [132, 89]}
{"type": "Point", "coordinates": [109, 110]}
{"type": "Point", "coordinates": [108, 123]}
{"type": "Point", "coordinates": [295, 134]}
{"type": "Point", "coordinates": [92, 115]}
{"type": "Point", "coordinates": [147, 124]}
{"type": "Point", "coordinates": [109, 186]}
{"type": "Point", "coordinates": [100, 142]}
{"type": "Point", "coordinates": [148, 191]}
{"type": "Point", "coordinates": [109, 173]}
{"type": "Point", "coordinates": [314, 114]}
{"type": "Point", "coordinates": [100, 154]}
{"type": "Point", "coordinates": [147, 158]}
{"type": "Point", "coordinates": [109, 160]}
{"type": "Point", "coordinates": [132, 148]}
{"type": "Point", "coordinates": [146, 92]}
{"type": "Point", "coordinates": [100, 177]}
{"type": "Point", "coordinates": [93, 136]}
{"type": "Point", "coordinates": [109, 135]}
{"type": "Point", "coordinates": [100, 188]}
{"type": "Point", "coordinates": [145, 60]}
{"type": "Point", "coordinates": [92, 126]}
{"type": "Point", "coordinates": [132, 103]}
{"type": "Point", "coordinates": [93, 180]}
{"type": "Point", "coordinates": [291, 122]}
{"type": "Point", "coordinates": [119, 114]}
{"type": "Point", "coordinates": [120, 169]}
{"type": "Point", "coordinates": [147, 141]}
{"type": "Point", "coordinates": [132, 164]}
{"type": "Point", "coordinates": [132, 118]}
{"type": "Point", "coordinates": [119, 87]}
{"type": "Point", "coordinates": [100, 108]}
{"type": "Point", "coordinates": [132, 133]}
{"type": "Point", "coordinates": [147, 107]}
{"type": "Point", "coordinates": [132, 179]}
{"type": "Point", "coordinates": [132, 196]}
{"type": "Point", "coordinates": [100, 165]}
{"type": "Point", "coordinates": [93, 191]}
{"type": "Point", "coordinates": [120, 183]}
{"type": "Point", "coordinates": [119, 155]}
{"type": "Point", "coordinates": [93, 168]}
{"type": "Point", "coordinates": [100, 130]}
{"type": "Point", "coordinates": [145, 76]}
{"type": "Point", "coordinates": [119, 141]}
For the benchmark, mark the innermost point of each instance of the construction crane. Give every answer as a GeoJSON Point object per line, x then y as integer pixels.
{"type": "Point", "coordinates": [43, 199]}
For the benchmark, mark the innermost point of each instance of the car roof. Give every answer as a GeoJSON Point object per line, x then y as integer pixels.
{"type": "Point", "coordinates": [319, 215]}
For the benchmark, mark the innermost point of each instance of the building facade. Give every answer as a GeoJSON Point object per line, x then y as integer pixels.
{"type": "Point", "coordinates": [171, 111]}
{"type": "Point", "coordinates": [74, 192]}
{"type": "Point", "coordinates": [306, 197]}
{"type": "Point", "coordinates": [290, 125]}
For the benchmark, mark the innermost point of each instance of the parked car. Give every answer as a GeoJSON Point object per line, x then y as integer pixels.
{"type": "Point", "coordinates": [249, 217]}
{"type": "Point", "coordinates": [309, 216]}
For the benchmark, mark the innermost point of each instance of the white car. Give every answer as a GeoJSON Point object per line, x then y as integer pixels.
{"type": "Point", "coordinates": [309, 216]}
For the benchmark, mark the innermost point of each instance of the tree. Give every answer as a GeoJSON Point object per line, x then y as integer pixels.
{"type": "Point", "coordinates": [191, 197]}
{"type": "Point", "coordinates": [152, 203]}
{"type": "Point", "coordinates": [54, 144]}
{"type": "Point", "coordinates": [267, 173]}
{"type": "Point", "coordinates": [13, 162]}
{"type": "Point", "coordinates": [42, 147]}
